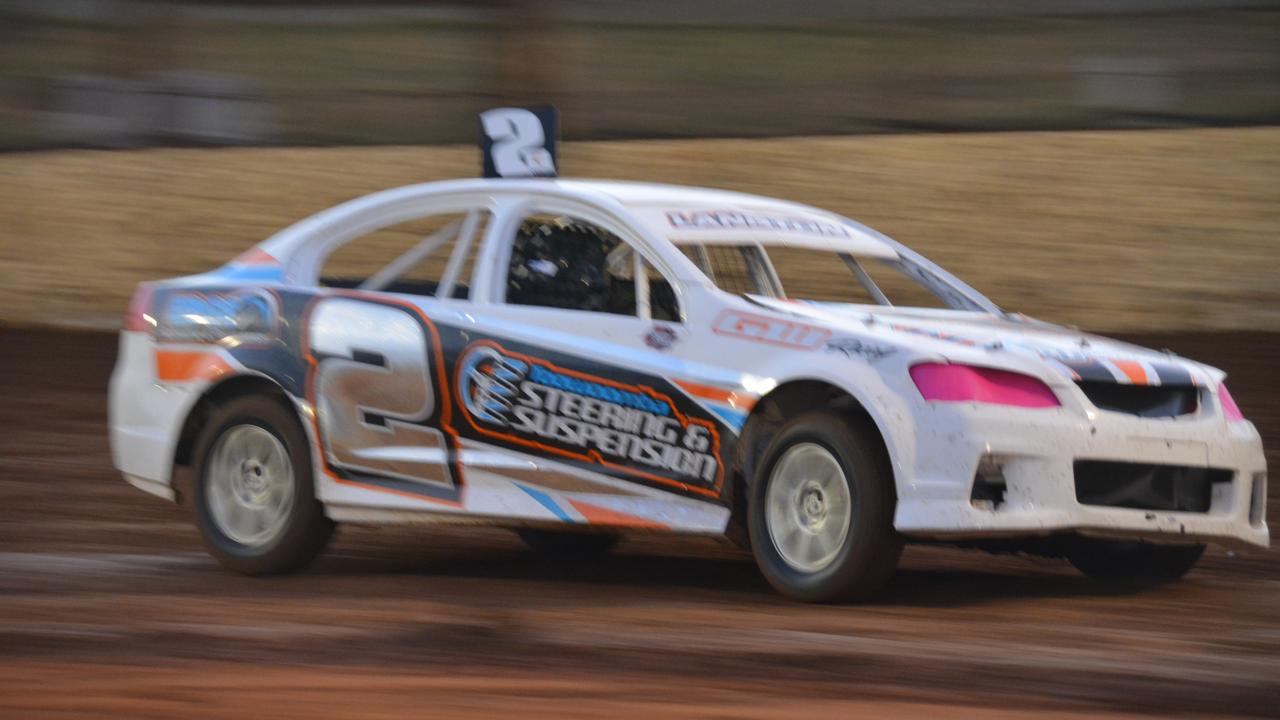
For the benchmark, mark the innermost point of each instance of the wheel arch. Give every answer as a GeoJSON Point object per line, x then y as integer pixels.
{"type": "Point", "coordinates": [220, 393]}
{"type": "Point", "coordinates": [786, 401]}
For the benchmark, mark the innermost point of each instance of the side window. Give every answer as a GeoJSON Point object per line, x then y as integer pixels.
{"type": "Point", "coordinates": [413, 257]}
{"type": "Point", "coordinates": [563, 262]}
{"type": "Point", "coordinates": [818, 275]}
{"type": "Point", "coordinates": [900, 288]}
{"type": "Point", "coordinates": [729, 267]}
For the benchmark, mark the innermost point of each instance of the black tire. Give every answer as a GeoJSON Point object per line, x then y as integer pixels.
{"type": "Point", "coordinates": [550, 542]}
{"type": "Point", "coordinates": [869, 553]}
{"type": "Point", "coordinates": [1136, 563]}
{"type": "Point", "coordinates": [306, 530]}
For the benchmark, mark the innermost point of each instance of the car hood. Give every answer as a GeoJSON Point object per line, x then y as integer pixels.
{"type": "Point", "coordinates": [981, 338]}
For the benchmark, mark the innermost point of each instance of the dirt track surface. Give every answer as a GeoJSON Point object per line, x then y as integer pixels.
{"type": "Point", "coordinates": [108, 606]}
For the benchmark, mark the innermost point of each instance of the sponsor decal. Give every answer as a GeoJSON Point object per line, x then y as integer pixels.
{"type": "Point", "coordinates": [770, 330]}
{"type": "Point", "coordinates": [660, 337]}
{"type": "Point", "coordinates": [737, 220]}
{"type": "Point", "coordinates": [630, 428]}
{"type": "Point", "coordinates": [855, 346]}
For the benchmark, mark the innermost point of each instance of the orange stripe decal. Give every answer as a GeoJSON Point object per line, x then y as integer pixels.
{"type": "Point", "coordinates": [184, 366]}
{"type": "Point", "coordinates": [732, 398]}
{"type": "Point", "coordinates": [1132, 370]}
{"type": "Point", "coordinates": [255, 256]}
{"type": "Point", "coordinates": [597, 515]}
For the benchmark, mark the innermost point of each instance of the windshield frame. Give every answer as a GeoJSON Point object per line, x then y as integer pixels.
{"type": "Point", "coordinates": [949, 290]}
{"type": "Point", "coordinates": [956, 293]}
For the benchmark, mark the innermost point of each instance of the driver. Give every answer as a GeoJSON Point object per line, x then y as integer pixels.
{"type": "Point", "coordinates": [561, 263]}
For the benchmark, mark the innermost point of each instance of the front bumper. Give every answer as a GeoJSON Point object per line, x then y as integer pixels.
{"type": "Point", "coordinates": [1035, 450]}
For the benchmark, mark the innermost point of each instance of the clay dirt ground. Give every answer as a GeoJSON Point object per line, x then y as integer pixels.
{"type": "Point", "coordinates": [109, 607]}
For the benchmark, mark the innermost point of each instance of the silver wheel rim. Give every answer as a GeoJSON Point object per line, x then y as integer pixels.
{"type": "Point", "coordinates": [808, 509]}
{"type": "Point", "coordinates": [249, 485]}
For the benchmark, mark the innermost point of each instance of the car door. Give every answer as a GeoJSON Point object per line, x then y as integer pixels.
{"type": "Point", "coordinates": [576, 359]}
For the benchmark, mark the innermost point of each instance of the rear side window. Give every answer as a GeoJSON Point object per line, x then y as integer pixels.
{"type": "Point", "coordinates": [415, 257]}
{"type": "Point", "coordinates": [731, 267]}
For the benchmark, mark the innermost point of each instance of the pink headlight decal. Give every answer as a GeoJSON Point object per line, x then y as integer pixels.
{"type": "Point", "coordinates": [965, 383]}
{"type": "Point", "coordinates": [1229, 408]}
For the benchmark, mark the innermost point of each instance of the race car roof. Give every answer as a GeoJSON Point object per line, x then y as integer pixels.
{"type": "Point", "coordinates": [691, 215]}
{"type": "Point", "coordinates": [680, 214]}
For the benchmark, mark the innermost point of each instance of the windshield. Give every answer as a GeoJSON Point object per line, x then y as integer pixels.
{"type": "Point", "coordinates": [827, 276]}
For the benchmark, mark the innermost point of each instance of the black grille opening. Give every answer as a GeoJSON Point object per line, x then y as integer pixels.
{"type": "Point", "coordinates": [1143, 486]}
{"type": "Point", "coordinates": [1142, 400]}
{"type": "Point", "coordinates": [988, 486]}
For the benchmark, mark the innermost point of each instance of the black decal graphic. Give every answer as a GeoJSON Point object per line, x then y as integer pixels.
{"type": "Point", "coordinates": [660, 337]}
{"type": "Point", "coordinates": [855, 346]}
{"type": "Point", "coordinates": [631, 429]}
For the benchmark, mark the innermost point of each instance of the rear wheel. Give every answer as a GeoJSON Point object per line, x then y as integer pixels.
{"type": "Point", "coordinates": [254, 498]}
{"type": "Point", "coordinates": [821, 511]}
{"type": "Point", "coordinates": [1132, 562]}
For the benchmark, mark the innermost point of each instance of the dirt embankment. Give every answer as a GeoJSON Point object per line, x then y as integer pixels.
{"type": "Point", "coordinates": [1108, 230]}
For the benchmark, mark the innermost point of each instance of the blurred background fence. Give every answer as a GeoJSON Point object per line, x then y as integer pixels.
{"type": "Point", "coordinates": [1172, 226]}
{"type": "Point", "coordinates": [131, 73]}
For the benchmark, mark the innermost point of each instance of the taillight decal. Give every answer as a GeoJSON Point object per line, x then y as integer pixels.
{"type": "Point", "coordinates": [139, 317]}
{"type": "Point", "coordinates": [1230, 410]}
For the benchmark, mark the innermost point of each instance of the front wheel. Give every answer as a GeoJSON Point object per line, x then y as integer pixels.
{"type": "Point", "coordinates": [1132, 562]}
{"type": "Point", "coordinates": [254, 499]}
{"type": "Point", "coordinates": [821, 511]}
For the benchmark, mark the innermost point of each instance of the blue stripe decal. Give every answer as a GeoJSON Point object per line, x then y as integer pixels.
{"type": "Point", "coordinates": [545, 501]}
{"type": "Point", "coordinates": [733, 418]}
{"type": "Point", "coordinates": [250, 272]}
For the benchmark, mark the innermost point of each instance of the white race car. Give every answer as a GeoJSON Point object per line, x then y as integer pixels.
{"type": "Point", "coordinates": [578, 359]}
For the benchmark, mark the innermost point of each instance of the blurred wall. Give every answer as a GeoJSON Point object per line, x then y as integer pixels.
{"type": "Point", "coordinates": [1149, 227]}
{"type": "Point", "coordinates": [1122, 230]}
{"type": "Point", "coordinates": [121, 73]}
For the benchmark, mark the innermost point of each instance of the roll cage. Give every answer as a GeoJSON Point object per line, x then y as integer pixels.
{"type": "Point", "coordinates": [303, 247]}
